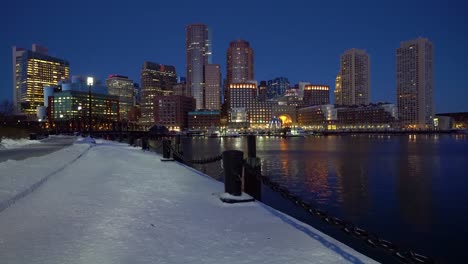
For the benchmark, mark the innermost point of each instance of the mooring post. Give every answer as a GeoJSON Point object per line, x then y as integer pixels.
{"type": "Point", "coordinates": [252, 170]}
{"type": "Point", "coordinates": [166, 150]}
{"type": "Point", "coordinates": [232, 164]}
{"type": "Point", "coordinates": [144, 143]}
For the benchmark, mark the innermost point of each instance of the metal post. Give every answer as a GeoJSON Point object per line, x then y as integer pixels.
{"type": "Point", "coordinates": [232, 164]}
{"type": "Point", "coordinates": [166, 150]}
{"type": "Point", "coordinates": [144, 143]}
{"type": "Point", "coordinates": [252, 184]}
{"type": "Point", "coordinates": [178, 149]}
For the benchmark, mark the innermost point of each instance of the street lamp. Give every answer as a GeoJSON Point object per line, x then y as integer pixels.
{"type": "Point", "coordinates": [89, 81]}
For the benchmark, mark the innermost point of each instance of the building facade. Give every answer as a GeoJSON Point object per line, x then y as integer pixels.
{"type": "Point", "coordinates": [156, 79]}
{"type": "Point", "coordinates": [381, 116]}
{"type": "Point", "coordinates": [353, 80]}
{"type": "Point", "coordinates": [32, 71]}
{"type": "Point", "coordinates": [171, 111]}
{"type": "Point", "coordinates": [182, 89]}
{"type": "Point", "coordinates": [262, 91]}
{"type": "Point", "coordinates": [124, 88]}
{"type": "Point", "coordinates": [198, 54]}
{"type": "Point", "coordinates": [204, 119]}
{"type": "Point", "coordinates": [69, 111]}
{"type": "Point", "coordinates": [316, 94]}
{"type": "Point", "coordinates": [212, 98]}
{"type": "Point", "coordinates": [415, 84]}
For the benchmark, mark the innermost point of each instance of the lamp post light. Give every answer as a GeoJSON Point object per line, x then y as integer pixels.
{"type": "Point", "coordinates": [90, 82]}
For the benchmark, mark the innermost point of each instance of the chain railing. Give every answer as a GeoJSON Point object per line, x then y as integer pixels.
{"type": "Point", "coordinates": [370, 239]}
{"type": "Point", "coordinates": [195, 161]}
{"type": "Point", "coordinates": [346, 226]}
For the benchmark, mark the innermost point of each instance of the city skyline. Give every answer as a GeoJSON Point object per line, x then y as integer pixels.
{"type": "Point", "coordinates": [298, 63]}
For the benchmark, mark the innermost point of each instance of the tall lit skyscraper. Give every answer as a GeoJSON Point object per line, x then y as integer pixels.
{"type": "Point", "coordinates": [415, 85]}
{"type": "Point", "coordinates": [124, 89]}
{"type": "Point", "coordinates": [212, 87]}
{"type": "Point", "coordinates": [156, 79]}
{"type": "Point", "coordinates": [354, 77]}
{"type": "Point", "coordinates": [239, 62]}
{"type": "Point", "coordinates": [32, 71]}
{"type": "Point", "coordinates": [198, 54]}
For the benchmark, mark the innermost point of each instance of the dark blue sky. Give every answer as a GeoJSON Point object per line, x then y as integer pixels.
{"type": "Point", "coordinates": [301, 40]}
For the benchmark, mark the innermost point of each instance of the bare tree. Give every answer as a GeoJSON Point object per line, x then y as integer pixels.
{"type": "Point", "coordinates": [7, 108]}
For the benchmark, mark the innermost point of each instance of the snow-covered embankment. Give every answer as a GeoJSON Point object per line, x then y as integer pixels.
{"type": "Point", "coordinates": [19, 178]}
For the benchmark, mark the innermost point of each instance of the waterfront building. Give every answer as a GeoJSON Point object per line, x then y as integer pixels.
{"type": "Point", "coordinates": [68, 110]}
{"type": "Point", "coordinates": [32, 71]}
{"type": "Point", "coordinates": [124, 88]}
{"type": "Point", "coordinates": [353, 80]}
{"type": "Point", "coordinates": [198, 54]}
{"type": "Point", "coordinates": [242, 94]}
{"type": "Point", "coordinates": [415, 84]}
{"type": "Point", "coordinates": [314, 94]}
{"type": "Point", "coordinates": [156, 80]}
{"type": "Point", "coordinates": [171, 111]}
{"type": "Point", "coordinates": [380, 116]}
{"type": "Point", "coordinates": [277, 87]}
{"type": "Point", "coordinates": [246, 111]}
{"type": "Point", "coordinates": [371, 116]}
{"type": "Point", "coordinates": [459, 119]}
{"type": "Point", "coordinates": [212, 98]}
{"type": "Point", "coordinates": [204, 119]}
{"type": "Point", "coordinates": [318, 117]}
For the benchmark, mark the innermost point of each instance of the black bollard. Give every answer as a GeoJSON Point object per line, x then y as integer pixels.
{"type": "Point", "coordinates": [177, 148]}
{"type": "Point", "coordinates": [166, 150]}
{"type": "Point", "coordinates": [232, 164]}
{"type": "Point", "coordinates": [144, 143]}
{"type": "Point", "coordinates": [131, 140]}
{"type": "Point", "coordinates": [252, 184]}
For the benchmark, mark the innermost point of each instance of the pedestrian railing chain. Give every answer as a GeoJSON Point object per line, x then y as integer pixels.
{"type": "Point", "coordinates": [196, 161]}
{"type": "Point", "coordinates": [349, 228]}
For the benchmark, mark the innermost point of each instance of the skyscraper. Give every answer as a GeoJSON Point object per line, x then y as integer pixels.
{"type": "Point", "coordinates": [415, 87]}
{"type": "Point", "coordinates": [212, 87]}
{"type": "Point", "coordinates": [32, 71]}
{"type": "Point", "coordinates": [198, 54]}
{"type": "Point", "coordinates": [239, 62]}
{"type": "Point", "coordinates": [124, 89]}
{"type": "Point", "coordinates": [156, 79]}
{"type": "Point", "coordinates": [354, 77]}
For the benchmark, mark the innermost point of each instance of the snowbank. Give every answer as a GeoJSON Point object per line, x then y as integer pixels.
{"type": "Point", "coordinates": [8, 143]}
{"type": "Point", "coordinates": [118, 204]}
{"type": "Point", "coordinates": [18, 178]}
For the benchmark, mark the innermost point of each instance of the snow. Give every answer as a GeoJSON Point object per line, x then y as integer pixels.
{"type": "Point", "coordinates": [110, 203]}
{"type": "Point", "coordinates": [9, 143]}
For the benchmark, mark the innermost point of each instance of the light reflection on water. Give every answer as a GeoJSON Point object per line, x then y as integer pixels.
{"type": "Point", "coordinates": [410, 189]}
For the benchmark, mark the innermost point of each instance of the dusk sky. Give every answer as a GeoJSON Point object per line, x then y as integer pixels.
{"type": "Point", "coordinates": [301, 40]}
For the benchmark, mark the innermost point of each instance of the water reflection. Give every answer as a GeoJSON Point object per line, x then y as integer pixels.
{"type": "Point", "coordinates": [415, 164]}
{"type": "Point", "coordinates": [410, 189]}
{"type": "Point", "coordinates": [351, 165]}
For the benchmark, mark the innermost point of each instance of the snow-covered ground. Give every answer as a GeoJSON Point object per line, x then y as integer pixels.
{"type": "Point", "coordinates": [110, 203]}
{"type": "Point", "coordinates": [9, 143]}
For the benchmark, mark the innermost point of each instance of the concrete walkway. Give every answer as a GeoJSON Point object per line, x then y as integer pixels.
{"type": "Point", "coordinates": [117, 204]}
